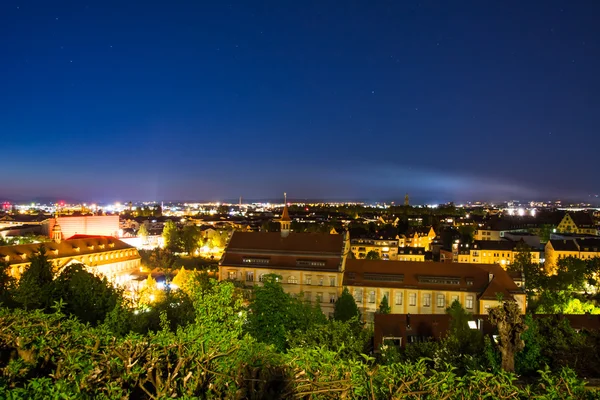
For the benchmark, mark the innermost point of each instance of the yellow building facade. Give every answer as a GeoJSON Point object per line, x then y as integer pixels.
{"type": "Point", "coordinates": [387, 249]}
{"type": "Point", "coordinates": [428, 288]}
{"type": "Point", "coordinates": [555, 250]}
{"type": "Point", "coordinates": [501, 252]}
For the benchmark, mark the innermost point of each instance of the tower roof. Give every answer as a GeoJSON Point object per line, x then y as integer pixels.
{"type": "Point", "coordinates": [285, 215]}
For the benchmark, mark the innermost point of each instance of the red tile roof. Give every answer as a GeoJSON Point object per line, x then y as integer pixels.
{"type": "Point", "coordinates": [431, 276]}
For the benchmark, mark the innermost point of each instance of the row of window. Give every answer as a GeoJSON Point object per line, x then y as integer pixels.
{"type": "Point", "coordinates": [319, 298]}
{"type": "Point", "coordinates": [232, 275]}
{"type": "Point", "coordinates": [412, 299]}
{"type": "Point", "coordinates": [299, 263]}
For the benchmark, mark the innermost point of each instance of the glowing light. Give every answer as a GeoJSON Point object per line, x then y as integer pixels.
{"type": "Point", "coordinates": [473, 325]}
{"type": "Point", "coordinates": [521, 212]}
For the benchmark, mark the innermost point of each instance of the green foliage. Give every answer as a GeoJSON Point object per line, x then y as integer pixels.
{"type": "Point", "coordinates": [191, 238]}
{"type": "Point", "coordinates": [7, 285]}
{"type": "Point", "coordinates": [86, 296]}
{"type": "Point", "coordinates": [530, 359]}
{"type": "Point", "coordinates": [373, 255]}
{"type": "Point", "coordinates": [143, 233]}
{"type": "Point", "coordinates": [273, 313]}
{"type": "Point", "coordinates": [345, 307]}
{"type": "Point", "coordinates": [348, 338]}
{"type": "Point", "coordinates": [171, 236]}
{"type": "Point", "coordinates": [35, 285]}
{"type": "Point", "coordinates": [184, 364]}
{"type": "Point", "coordinates": [384, 307]}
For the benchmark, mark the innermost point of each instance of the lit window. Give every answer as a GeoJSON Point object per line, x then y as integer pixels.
{"type": "Point", "coordinates": [308, 280]}
{"type": "Point", "coordinates": [332, 281]}
{"type": "Point", "coordinates": [249, 276]}
{"type": "Point", "coordinates": [372, 296]}
{"type": "Point", "coordinates": [399, 298]}
{"type": "Point", "coordinates": [412, 299]}
{"type": "Point", "coordinates": [319, 297]}
{"type": "Point", "coordinates": [358, 295]}
{"type": "Point", "coordinates": [454, 298]}
{"type": "Point", "coordinates": [441, 300]}
{"type": "Point", "coordinates": [231, 275]}
{"type": "Point", "coordinates": [292, 279]}
{"type": "Point", "coordinates": [426, 300]}
{"type": "Point", "coordinates": [332, 298]}
{"type": "Point", "coordinates": [469, 302]}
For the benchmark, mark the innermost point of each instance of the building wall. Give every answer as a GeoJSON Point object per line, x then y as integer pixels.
{"type": "Point", "coordinates": [500, 257]}
{"type": "Point", "coordinates": [103, 225]}
{"type": "Point", "coordinates": [114, 265]}
{"type": "Point", "coordinates": [327, 285]}
{"type": "Point", "coordinates": [387, 249]}
{"type": "Point", "coordinates": [486, 234]}
{"type": "Point", "coordinates": [410, 301]}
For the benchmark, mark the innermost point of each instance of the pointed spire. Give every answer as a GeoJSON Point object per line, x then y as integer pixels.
{"type": "Point", "coordinates": [285, 220]}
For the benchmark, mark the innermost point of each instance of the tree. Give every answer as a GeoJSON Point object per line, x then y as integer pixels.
{"type": "Point", "coordinates": [373, 255]}
{"type": "Point", "coordinates": [507, 319]}
{"type": "Point", "coordinates": [85, 295]}
{"type": "Point", "coordinates": [35, 286]}
{"type": "Point", "coordinates": [171, 236]}
{"type": "Point", "coordinates": [345, 307]}
{"type": "Point", "coordinates": [191, 238]}
{"type": "Point", "coordinates": [143, 233]}
{"type": "Point", "coordinates": [7, 284]}
{"type": "Point", "coordinates": [274, 313]}
{"type": "Point", "coordinates": [384, 307]}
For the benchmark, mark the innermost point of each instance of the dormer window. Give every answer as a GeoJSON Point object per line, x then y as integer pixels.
{"type": "Point", "coordinates": [91, 247]}
{"type": "Point", "coordinates": [23, 256]}
{"type": "Point", "coordinates": [6, 258]}
{"type": "Point", "coordinates": [469, 282]}
{"type": "Point", "coordinates": [111, 245]}
{"type": "Point", "coordinates": [76, 248]}
{"type": "Point", "coordinates": [101, 246]}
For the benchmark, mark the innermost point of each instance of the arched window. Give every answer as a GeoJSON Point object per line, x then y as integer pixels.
{"type": "Point", "coordinates": [261, 277]}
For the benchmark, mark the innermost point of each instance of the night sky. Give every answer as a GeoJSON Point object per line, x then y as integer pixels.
{"type": "Point", "coordinates": [447, 100]}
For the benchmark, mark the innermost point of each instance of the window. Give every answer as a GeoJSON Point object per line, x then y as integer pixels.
{"type": "Point", "coordinates": [469, 301]}
{"type": "Point", "coordinates": [251, 260]}
{"type": "Point", "coordinates": [358, 295]}
{"type": "Point", "coordinates": [320, 281]}
{"type": "Point", "coordinates": [412, 299]}
{"type": "Point", "coordinates": [399, 298]}
{"type": "Point", "coordinates": [439, 280]}
{"type": "Point", "coordinates": [469, 282]}
{"type": "Point", "coordinates": [427, 300]}
{"type": "Point", "coordinates": [369, 276]}
{"type": "Point", "coordinates": [441, 300]}
{"type": "Point", "coordinates": [310, 263]}
{"type": "Point", "coordinates": [231, 275]}
{"type": "Point", "coordinates": [454, 298]}
{"type": "Point", "coordinates": [308, 280]}
{"type": "Point", "coordinates": [332, 281]}
{"type": "Point", "coordinates": [319, 296]}
{"type": "Point", "coordinates": [261, 277]}
{"type": "Point", "coordinates": [292, 279]}
{"type": "Point", "coordinates": [332, 298]}
{"type": "Point", "coordinates": [372, 296]}
{"type": "Point", "coordinates": [249, 276]}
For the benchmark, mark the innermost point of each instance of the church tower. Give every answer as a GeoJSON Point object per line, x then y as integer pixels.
{"type": "Point", "coordinates": [56, 233]}
{"type": "Point", "coordinates": [406, 203]}
{"type": "Point", "coordinates": [285, 221]}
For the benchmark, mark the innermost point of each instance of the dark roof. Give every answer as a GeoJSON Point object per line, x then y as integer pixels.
{"type": "Point", "coordinates": [582, 219]}
{"type": "Point", "coordinates": [589, 244]}
{"type": "Point", "coordinates": [428, 275]}
{"type": "Point", "coordinates": [294, 242]}
{"type": "Point", "coordinates": [564, 245]}
{"type": "Point", "coordinates": [299, 251]}
{"type": "Point", "coordinates": [502, 245]}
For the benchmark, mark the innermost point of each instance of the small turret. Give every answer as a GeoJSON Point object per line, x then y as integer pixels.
{"type": "Point", "coordinates": [285, 221]}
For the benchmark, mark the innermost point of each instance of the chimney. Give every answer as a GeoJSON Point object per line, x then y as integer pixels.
{"type": "Point", "coordinates": [490, 277]}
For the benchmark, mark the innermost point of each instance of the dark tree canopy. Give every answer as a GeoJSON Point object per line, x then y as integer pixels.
{"type": "Point", "coordinates": [345, 307]}
{"type": "Point", "coordinates": [35, 285]}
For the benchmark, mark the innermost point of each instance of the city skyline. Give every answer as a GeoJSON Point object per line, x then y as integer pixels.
{"type": "Point", "coordinates": [448, 102]}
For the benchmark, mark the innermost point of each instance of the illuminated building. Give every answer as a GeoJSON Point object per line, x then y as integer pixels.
{"type": "Point", "coordinates": [411, 254]}
{"type": "Point", "coordinates": [418, 237]}
{"type": "Point", "coordinates": [584, 249]}
{"type": "Point", "coordinates": [103, 225]}
{"type": "Point", "coordinates": [428, 287]}
{"type": "Point", "coordinates": [502, 252]}
{"type": "Point", "coordinates": [102, 256]}
{"type": "Point", "coordinates": [580, 223]}
{"type": "Point", "coordinates": [309, 263]}
{"type": "Point", "coordinates": [387, 249]}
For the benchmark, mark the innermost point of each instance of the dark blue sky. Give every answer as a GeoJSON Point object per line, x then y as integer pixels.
{"type": "Point", "coordinates": [446, 100]}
